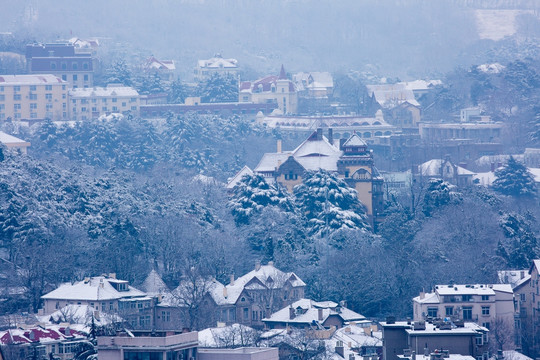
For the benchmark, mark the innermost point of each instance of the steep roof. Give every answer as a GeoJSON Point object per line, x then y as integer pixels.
{"type": "Point", "coordinates": [236, 178]}
{"type": "Point", "coordinates": [97, 288]}
{"type": "Point", "coordinates": [391, 95]}
{"type": "Point", "coordinates": [433, 168]}
{"type": "Point", "coordinates": [48, 334]}
{"type": "Point", "coordinates": [218, 62]}
{"type": "Point", "coordinates": [11, 140]}
{"type": "Point", "coordinates": [355, 140]}
{"type": "Point", "coordinates": [154, 284]}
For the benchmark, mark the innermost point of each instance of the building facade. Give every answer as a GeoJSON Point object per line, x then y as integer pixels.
{"type": "Point", "coordinates": [216, 65]}
{"type": "Point", "coordinates": [487, 305]}
{"type": "Point", "coordinates": [33, 97]}
{"type": "Point", "coordinates": [90, 103]}
{"type": "Point", "coordinates": [271, 89]}
{"type": "Point", "coordinates": [63, 61]}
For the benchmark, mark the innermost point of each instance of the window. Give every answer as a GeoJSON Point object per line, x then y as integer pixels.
{"type": "Point", "coordinates": [63, 96]}
{"type": "Point", "coordinates": [33, 106]}
{"type": "Point", "coordinates": [246, 314]}
{"type": "Point", "coordinates": [466, 297]}
{"type": "Point", "coordinates": [166, 316]}
{"type": "Point", "coordinates": [133, 100]}
{"type": "Point", "coordinates": [1, 88]}
{"type": "Point", "coordinates": [94, 108]}
{"type": "Point", "coordinates": [133, 108]}
{"type": "Point", "coordinates": [2, 97]}
{"type": "Point", "coordinates": [63, 65]}
{"type": "Point", "coordinates": [486, 325]}
{"type": "Point", "coordinates": [432, 312]}
{"type": "Point", "coordinates": [254, 315]}
{"type": "Point", "coordinates": [75, 77]}
{"type": "Point", "coordinates": [48, 107]}
{"type": "Point", "coordinates": [32, 87]}
{"type": "Point", "coordinates": [479, 340]}
{"type": "Point", "coordinates": [86, 77]}
{"type": "Point", "coordinates": [467, 313]}
{"type": "Point", "coordinates": [84, 101]}
{"type": "Point", "coordinates": [85, 67]}
{"type": "Point", "coordinates": [485, 310]}
{"type": "Point", "coordinates": [124, 104]}
{"type": "Point", "coordinates": [521, 296]}
{"type": "Point", "coordinates": [16, 88]}
{"type": "Point", "coordinates": [83, 109]}
{"type": "Point", "coordinates": [449, 311]}
{"type": "Point", "coordinates": [232, 315]}
{"type": "Point", "coordinates": [17, 115]}
{"type": "Point", "coordinates": [17, 97]}
{"type": "Point", "coordinates": [114, 100]}
{"type": "Point", "coordinates": [48, 97]}
{"type": "Point", "coordinates": [74, 65]}
{"type": "Point", "coordinates": [114, 108]}
{"type": "Point", "coordinates": [48, 87]}
{"type": "Point", "coordinates": [16, 107]}
{"type": "Point", "coordinates": [63, 87]}
{"type": "Point", "coordinates": [64, 77]}
{"type": "Point", "coordinates": [2, 106]}
{"type": "Point", "coordinates": [33, 96]}
{"type": "Point", "coordinates": [53, 66]}
{"type": "Point", "coordinates": [104, 100]}
{"type": "Point", "coordinates": [104, 108]}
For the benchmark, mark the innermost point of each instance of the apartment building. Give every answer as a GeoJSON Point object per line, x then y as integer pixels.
{"type": "Point", "coordinates": [89, 103]}
{"type": "Point", "coordinates": [486, 305]}
{"type": "Point", "coordinates": [62, 60]}
{"type": "Point", "coordinates": [216, 65]}
{"type": "Point", "coordinates": [33, 97]}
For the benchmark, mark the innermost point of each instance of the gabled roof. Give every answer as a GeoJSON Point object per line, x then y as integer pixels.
{"type": "Point", "coordinates": [154, 284]}
{"type": "Point", "coordinates": [433, 168]}
{"type": "Point", "coordinates": [354, 140]}
{"type": "Point", "coordinates": [48, 334]}
{"type": "Point", "coordinates": [153, 63]}
{"type": "Point", "coordinates": [391, 95]}
{"type": "Point", "coordinates": [535, 265]}
{"type": "Point", "coordinates": [307, 311]}
{"type": "Point", "coordinates": [93, 289]}
{"type": "Point", "coordinates": [218, 62]}
{"type": "Point", "coordinates": [236, 178]}
{"type": "Point", "coordinates": [11, 140]}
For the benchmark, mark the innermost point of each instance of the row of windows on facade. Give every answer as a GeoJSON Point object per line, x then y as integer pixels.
{"type": "Point", "coordinates": [103, 100]}
{"type": "Point", "coordinates": [18, 97]}
{"type": "Point", "coordinates": [33, 106]}
{"type": "Point", "coordinates": [74, 65]}
{"type": "Point", "coordinates": [17, 88]}
{"type": "Point", "coordinates": [18, 116]}
{"type": "Point", "coordinates": [104, 108]}
{"type": "Point", "coordinates": [449, 311]}
{"type": "Point", "coordinates": [75, 78]}
{"type": "Point", "coordinates": [464, 298]}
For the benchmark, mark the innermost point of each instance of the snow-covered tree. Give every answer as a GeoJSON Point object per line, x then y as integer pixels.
{"type": "Point", "coordinates": [329, 204]}
{"type": "Point", "coordinates": [521, 247]}
{"type": "Point", "coordinates": [119, 73]}
{"type": "Point", "coordinates": [219, 88]}
{"type": "Point", "coordinates": [439, 193]}
{"type": "Point", "coordinates": [251, 195]}
{"type": "Point", "coordinates": [177, 92]}
{"type": "Point", "coordinates": [514, 179]}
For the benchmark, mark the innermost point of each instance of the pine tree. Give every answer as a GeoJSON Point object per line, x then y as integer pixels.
{"type": "Point", "coordinates": [329, 204]}
{"type": "Point", "coordinates": [522, 247]}
{"type": "Point", "coordinates": [251, 195]}
{"type": "Point", "coordinates": [514, 179]}
{"type": "Point", "coordinates": [219, 89]}
{"type": "Point", "coordinates": [119, 73]}
{"type": "Point", "coordinates": [438, 194]}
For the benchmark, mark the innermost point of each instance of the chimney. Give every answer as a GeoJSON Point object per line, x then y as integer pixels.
{"type": "Point", "coordinates": [413, 355]}
{"type": "Point", "coordinates": [340, 350]}
{"type": "Point", "coordinates": [422, 295]}
{"type": "Point", "coordinates": [270, 263]}
{"type": "Point", "coordinates": [331, 136]}
{"type": "Point", "coordinates": [341, 142]}
{"type": "Point", "coordinates": [292, 314]}
{"type": "Point", "coordinates": [521, 274]}
{"type": "Point", "coordinates": [320, 314]}
{"type": "Point", "coordinates": [426, 351]}
{"type": "Point", "coordinates": [225, 292]}
{"type": "Point", "coordinates": [112, 275]}
{"type": "Point", "coordinates": [257, 265]}
{"type": "Point", "coordinates": [492, 166]}
{"type": "Point", "coordinates": [232, 280]}
{"type": "Point", "coordinates": [319, 133]}
{"type": "Point", "coordinates": [279, 145]}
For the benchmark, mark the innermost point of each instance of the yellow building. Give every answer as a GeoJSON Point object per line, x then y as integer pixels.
{"type": "Point", "coordinates": [271, 89]}
{"type": "Point", "coordinates": [91, 103]}
{"type": "Point", "coordinates": [350, 159]}
{"type": "Point", "coordinates": [24, 97]}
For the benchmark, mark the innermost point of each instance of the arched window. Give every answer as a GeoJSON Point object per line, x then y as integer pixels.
{"type": "Point", "coordinates": [361, 174]}
{"type": "Point", "coordinates": [367, 134]}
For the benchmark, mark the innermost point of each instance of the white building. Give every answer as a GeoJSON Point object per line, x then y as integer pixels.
{"type": "Point", "coordinates": [216, 65]}
{"type": "Point", "coordinates": [486, 305]}
{"type": "Point", "coordinates": [90, 103]}
{"type": "Point", "coordinates": [13, 143]}
{"type": "Point", "coordinates": [103, 293]}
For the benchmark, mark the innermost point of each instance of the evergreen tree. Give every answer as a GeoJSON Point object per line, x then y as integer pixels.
{"type": "Point", "coordinates": [119, 73]}
{"type": "Point", "coordinates": [514, 179]}
{"type": "Point", "coordinates": [219, 89]}
{"type": "Point", "coordinates": [522, 247]}
{"type": "Point", "coordinates": [329, 204]}
{"type": "Point", "coordinates": [251, 195]}
{"type": "Point", "coordinates": [438, 194]}
{"type": "Point", "coordinates": [177, 92]}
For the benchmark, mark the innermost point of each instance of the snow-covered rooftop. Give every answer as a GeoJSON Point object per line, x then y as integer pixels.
{"type": "Point", "coordinates": [218, 62]}
{"type": "Point", "coordinates": [109, 91]}
{"type": "Point", "coordinates": [236, 178]}
{"type": "Point", "coordinates": [433, 168]}
{"type": "Point", "coordinates": [226, 336]}
{"type": "Point", "coordinates": [391, 95]}
{"type": "Point", "coordinates": [154, 284]}
{"type": "Point", "coordinates": [41, 79]}
{"type": "Point", "coordinates": [80, 314]}
{"type": "Point", "coordinates": [10, 140]}
{"type": "Point", "coordinates": [43, 334]}
{"type": "Point", "coordinates": [307, 311]}
{"type": "Point", "coordinates": [95, 288]}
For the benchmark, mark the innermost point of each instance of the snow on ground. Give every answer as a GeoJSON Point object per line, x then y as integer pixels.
{"type": "Point", "coordinates": [497, 24]}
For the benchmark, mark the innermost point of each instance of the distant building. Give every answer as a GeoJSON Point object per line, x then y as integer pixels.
{"type": "Point", "coordinates": [484, 132]}
{"type": "Point", "coordinates": [33, 97]}
{"type": "Point", "coordinates": [343, 125]}
{"type": "Point", "coordinates": [85, 46]}
{"type": "Point", "coordinates": [397, 101]}
{"type": "Point", "coordinates": [315, 315]}
{"type": "Point", "coordinates": [487, 305]}
{"type": "Point", "coordinates": [90, 103]}
{"type": "Point", "coordinates": [445, 170]}
{"type": "Point", "coordinates": [61, 59]}
{"type": "Point", "coordinates": [242, 353]}
{"type": "Point", "coordinates": [314, 84]}
{"type": "Point", "coordinates": [271, 89]}
{"type": "Point", "coordinates": [42, 342]}
{"type": "Point", "coordinates": [351, 160]}
{"type": "Point", "coordinates": [216, 65]}
{"type": "Point", "coordinates": [13, 143]}
{"type": "Point", "coordinates": [153, 345]}
{"type": "Point", "coordinates": [403, 338]}
{"type": "Point", "coordinates": [164, 68]}
{"type": "Point", "coordinates": [105, 293]}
